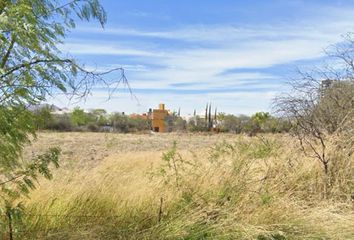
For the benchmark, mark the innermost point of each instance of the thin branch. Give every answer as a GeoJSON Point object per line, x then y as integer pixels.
{"type": "Point", "coordinates": [13, 179]}
{"type": "Point", "coordinates": [31, 63]}
{"type": "Point", "coordinates": [7, 54]}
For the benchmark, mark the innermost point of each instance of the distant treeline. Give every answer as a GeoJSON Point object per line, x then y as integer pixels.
{"type": "Point", "coordinates": [99, 120]}
{"type": "Point", "coordinates": [260, 122]}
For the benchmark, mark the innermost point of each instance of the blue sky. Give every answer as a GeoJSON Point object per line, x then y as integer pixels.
{"type": "Point", "coordinates": [235, 54]}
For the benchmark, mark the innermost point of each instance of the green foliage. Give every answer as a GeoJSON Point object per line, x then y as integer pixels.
{"type": "Point", "coordinates": [259, 148]}
{"type": "Point", "coordinates": [258, 123]}
{"type": "Point", "coordinates": [221, 116]}
{"type": "Point", "coordinates": [29, 57]}
{"type": "Point", "coordinates": [335, 107]}
{"type": "Point", "coordinates": [21, 179]}
{"type": "Point", "coordinates": [266, 198]}
{"type": "Point", "coordinates": [31, 68]}
{"type": "Point", "coordinates": [44, 118]}
{"type": "Point", "coordinates": [78, 117]}
{"type": "Point", "coordinates": [260, 118]}
{"type": "Point", "coordinates": [16, 128]}
{"type": "Point", "coordinates": [197, 124]}
{"type": "Point", "coordinates": [125, 124]}
{"type": "Point", "coordinates": [172, 167]}
{"type": "Point", "coordinates": [61, 123]}
{"type": "Point", "coordinates": [230, 123]}
{"type": "Point", "coordinates": [264, 148]}
{"type": "Point", "coordinates": [273, 236]}
{"type": "Point", "coordinates": [176, 172]}
{"type": "Point", "coordinates": [94, 121]}
{"type": "Point", "coordinates": [177, 123]}
{"type": "Point", "coordinates": [98, 120]}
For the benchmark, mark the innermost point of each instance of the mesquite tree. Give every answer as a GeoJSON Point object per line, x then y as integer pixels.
{"type": "Point", "coordinates": [320, 104]}
{"type": "Point", "coordinates": [31, 69]}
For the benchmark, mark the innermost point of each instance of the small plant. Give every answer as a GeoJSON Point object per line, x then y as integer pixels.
{"type": "Point", "coordinates": [19, 183]}
{"type": "Point", "coordinates": [174, 167]}
{"type": "Point", "coordinates": [266, 198]}
{"type": "Point", "coordinates": [264, 147]}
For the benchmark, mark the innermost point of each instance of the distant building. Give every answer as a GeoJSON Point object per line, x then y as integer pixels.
{"type": "Point", "coordinates": [143, 116]}
{"type": "Point", "coordinates": [159, 119]}
{"type": "Point", "coordinates": [51, 107]}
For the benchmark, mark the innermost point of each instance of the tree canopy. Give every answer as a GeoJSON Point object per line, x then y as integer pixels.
{"type": "Point", "coordinates": [32, 67]}
{"type": "Point", "coordinates": [320, 105]}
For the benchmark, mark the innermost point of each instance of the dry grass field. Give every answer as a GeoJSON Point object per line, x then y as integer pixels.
{"type": "Point", "coordinates": [186, 186]}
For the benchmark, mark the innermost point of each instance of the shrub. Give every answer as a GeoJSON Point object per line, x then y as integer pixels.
{"type": "Point", "coordinates": [61, 123]}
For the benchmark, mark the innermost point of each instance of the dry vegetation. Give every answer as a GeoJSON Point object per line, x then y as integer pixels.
{"type": "Point", "coordinates": [115, 186]}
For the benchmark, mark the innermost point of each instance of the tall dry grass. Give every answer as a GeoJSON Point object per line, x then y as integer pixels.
{"type": "Point", "coordinates": [204, 187]}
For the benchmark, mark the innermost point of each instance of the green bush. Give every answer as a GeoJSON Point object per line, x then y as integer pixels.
{"type": "Point", "coordinates": [61, 123]}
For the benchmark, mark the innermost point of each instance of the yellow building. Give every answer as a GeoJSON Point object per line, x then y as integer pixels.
{"type": "Point", "coordinates": [158, 119]}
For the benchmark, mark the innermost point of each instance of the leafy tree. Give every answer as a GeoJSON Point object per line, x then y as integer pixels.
{"type": "Point", "coordinates": [197, 124]}
{"type": "Point", "coordinates": [276, 125]}
{"type": "Point", "coordinates": [260, 117]}
{"type": "Point", "coordinates": [138, 125]}
{"type": "Point", "coordinates": [120, 122]}
{"type": "Point", "coordinates": [99, 116]}
{"type": "Point", "coordinates": [124, 124]}
{"type": "Point", "coordinates": [78, 117]}
{"type": "Point", "coordinates": [61, 123]}
{"type": "Point", "coordinates": [231, 123]}
{"type": "Point", "coordinates": [220, 116]}
{"type": "Point", "coordinates": [44, 118]}
{"type": "Point", "coordinates": [179, 124]}
{"type": "Point", "coordinates": [256, 123]}
{"type": "Point", "coordinates": [31, 68]}
{"type": "Point", "coordinates": [176, 122]}
{"type": "Point", "coordinates": [99, 112]}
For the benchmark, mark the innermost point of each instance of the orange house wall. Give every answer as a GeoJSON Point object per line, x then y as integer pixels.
{"type": "Point", "coordinates": [158, 119]}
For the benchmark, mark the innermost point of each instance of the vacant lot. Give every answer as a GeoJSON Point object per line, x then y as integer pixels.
{"type": "Point", "coordinates": [86, 147]}
{"type": "Point", "coordinates": [185, 186]}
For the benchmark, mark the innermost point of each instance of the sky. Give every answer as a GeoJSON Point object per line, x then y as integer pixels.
{"type": "Point", "coordinates": [236, 55]}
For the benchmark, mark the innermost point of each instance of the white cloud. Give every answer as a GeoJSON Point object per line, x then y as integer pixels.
{"type": "Point", "coordinates": [205, 52]}
{"type": "Point", "coordinates": [327, 28]}
{"type": "Point", "coordinates": [236, 103]}
{"type": "Point", "coordinates": [98, 48]}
